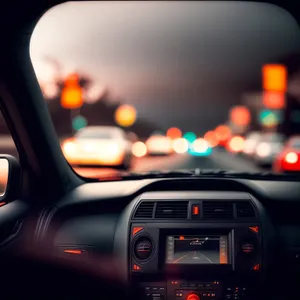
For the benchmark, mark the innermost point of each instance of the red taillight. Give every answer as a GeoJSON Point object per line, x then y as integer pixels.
{"type": "Point", "coordinates": [291, 158]}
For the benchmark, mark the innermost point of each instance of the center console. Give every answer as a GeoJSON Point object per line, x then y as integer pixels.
{"type": "Point", "coordinates": [195, 263]}
{"type": "Point", "coordinates": [195, 249]}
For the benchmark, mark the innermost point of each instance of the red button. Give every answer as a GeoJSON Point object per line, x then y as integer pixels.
{"type": "Point", "coordinates": [195, 210]}
{"type": "Point", "coordinates": [193, 297]}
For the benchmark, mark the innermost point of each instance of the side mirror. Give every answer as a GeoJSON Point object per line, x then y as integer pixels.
{"type": "Point", "coordinates": [10, 178]}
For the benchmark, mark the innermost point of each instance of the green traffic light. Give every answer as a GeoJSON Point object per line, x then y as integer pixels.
{"type": "Point", "coordinates": [79, 122]}
{"type": "Point", "coordinates": [190, 136]}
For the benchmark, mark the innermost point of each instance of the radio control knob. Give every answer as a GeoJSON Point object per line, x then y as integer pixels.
{"type": "Point", "coordinates": [192, 297]}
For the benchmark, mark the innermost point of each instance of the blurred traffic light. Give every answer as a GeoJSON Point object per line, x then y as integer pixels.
{"type": "Point", "coordinates": [190, 136]}
{"type": "Point", "coordinates": [79, 122]}
{"type": "Point", "coordinates": [71, 95]}
{"type": "Point", "coordinates": [274, 78]}
{"type": "Point", "coordinates": [174, 133]}
{"type": "Point", "coordinates": [273, 100]}
{"type": "Point", "coordinates": [125, 115]}
{"type": "Point", "coordinates": [240, 115]}
{"type": "Point", "coordinates": [270, 118]}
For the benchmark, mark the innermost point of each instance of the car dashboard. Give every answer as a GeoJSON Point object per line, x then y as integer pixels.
{"type": "Point", "coordinates": [182, 238]}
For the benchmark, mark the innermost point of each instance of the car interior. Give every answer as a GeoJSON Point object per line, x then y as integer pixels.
{"type": "Point", "coordinates": [63, 236]}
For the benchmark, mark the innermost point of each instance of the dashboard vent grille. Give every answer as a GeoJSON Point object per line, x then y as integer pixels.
{"type": "Point", "coordinates": [244, 210]}
{"type": "Point", "coordinates": [217, 210]}
{"type": "Point", "coordinates": [145, 210]}
{"type": "Point", "coordinates": [171, 210]}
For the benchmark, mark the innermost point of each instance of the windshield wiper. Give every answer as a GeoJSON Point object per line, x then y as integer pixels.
{"type": "Point", "coordinates": [198, 173]}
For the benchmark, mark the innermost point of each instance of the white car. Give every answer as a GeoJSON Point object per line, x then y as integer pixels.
{"type": "Point", "coordinates": [99, 146]}
{"type": "Point", "coordinates": [159, 145]}
{"type": "Point", "coordinates": [267, 149]}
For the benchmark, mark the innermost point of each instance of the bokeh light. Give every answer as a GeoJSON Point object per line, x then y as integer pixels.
{"type": "Point", "coordinates": [180, 145]}
{"type": "Point", "coordinates": [274, 78]}
{"type": "Point", "coordinates": [263, 149]}
{"type": "Point", "coordinates": [274, 100]}
{"type": "Point", "coordinates": [139, 149]}
{"type": "Point", "coordinates": [270, 118]}
{"type": "Point", "coordinates": [223, 133]}
{"type": "Point", "coordinates": [291, 157]}
{"type": "Point", "coordinates": [236, 144]}
{"type": "Point", "coordinates": [125, 115]}
{"type": "Point", "coordinates": [71, 95]}
{"type": "Point", "coordinates": [174, 133]}
{"type": "Point", "coordinates": [79, 122]}
{"type": "Point", "coordinates": [240, 115]}
{"type": "Point", "coordinates": [200, 147]}
{"type": "Point", "coordinates": [190, 136]}
{"type": "Point", "coordinates": [211, 138]}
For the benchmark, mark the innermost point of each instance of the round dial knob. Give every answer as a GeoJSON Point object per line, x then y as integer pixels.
{"type": "Point", "coordinates": [192, 297]}
{"type": "Point", "coordinates": [143, 248]}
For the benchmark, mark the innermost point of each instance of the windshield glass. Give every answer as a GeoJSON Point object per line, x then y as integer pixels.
{"type": "Point", "coordinates": [204, 74]}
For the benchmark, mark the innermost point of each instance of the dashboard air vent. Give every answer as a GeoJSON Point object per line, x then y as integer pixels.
{"type": "Point", "coordinates": [145, 210]}
{"type": "Point", "coordinates": [217, 210]}
{"type": "Point", "coordinates": [244, 210]}
{"type": "Point", "coordinates": [171, 210]}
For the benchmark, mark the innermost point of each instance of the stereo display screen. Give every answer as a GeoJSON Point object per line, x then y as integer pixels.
{"type": "Point", "coordinates": [197, 249]}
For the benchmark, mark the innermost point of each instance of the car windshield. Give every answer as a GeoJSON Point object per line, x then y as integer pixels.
{"type": "Point", "coordinates": [204, 74]}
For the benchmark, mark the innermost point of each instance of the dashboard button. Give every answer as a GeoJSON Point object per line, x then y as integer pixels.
{"type": "Point", "coordinates": [192, 297]}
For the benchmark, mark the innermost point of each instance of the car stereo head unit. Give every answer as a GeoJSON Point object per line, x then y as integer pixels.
{"type": "Point", "coordinates": [197, 249]}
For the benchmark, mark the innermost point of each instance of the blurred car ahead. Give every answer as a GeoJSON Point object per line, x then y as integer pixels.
{"type": "Point", "coordinates": [105, 146]}
{"type": "Point", "coordinates": [251, 141]}
{"type": "Point", "coordinates": [267, 149]}
{"type": "Point", "coordinates": [289, 159]}
{"type": "Point", "coordinates": [159, 145]}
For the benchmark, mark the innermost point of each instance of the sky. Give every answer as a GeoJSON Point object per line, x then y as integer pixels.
{"type": "Point", "coordinates": [179, 63]}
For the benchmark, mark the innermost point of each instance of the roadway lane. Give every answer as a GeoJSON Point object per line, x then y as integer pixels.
{"type": "Point", "coordinates": [220, 159]}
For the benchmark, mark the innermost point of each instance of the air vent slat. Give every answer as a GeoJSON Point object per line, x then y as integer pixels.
{"type": "Point", "coordinates": [145, 210]}
{"type": "Point", "coordinates": [244, 210]}
{"type": "Point", "coordinates": [171, 210]}
{"type": "Point", "coordinates": [217, 210]}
